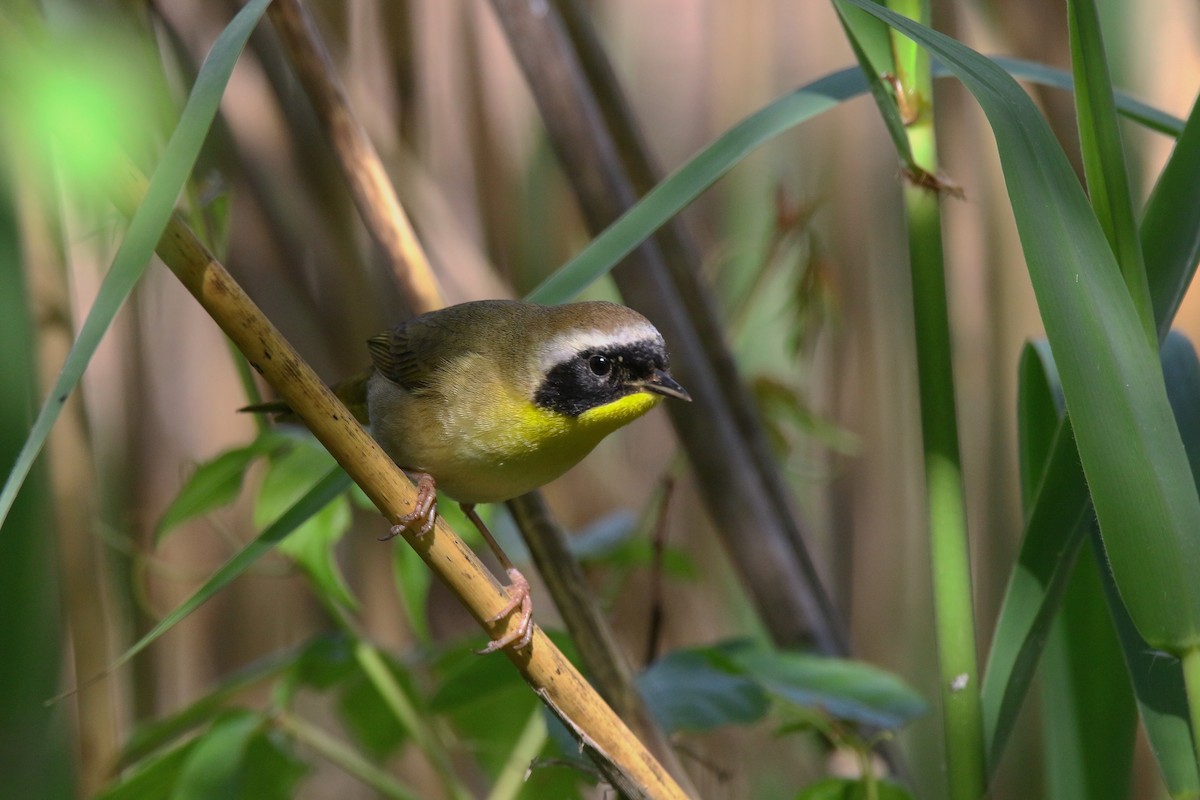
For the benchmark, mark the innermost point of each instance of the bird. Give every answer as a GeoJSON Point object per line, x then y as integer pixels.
{"type": "Point", "coordinates": [487, 400]}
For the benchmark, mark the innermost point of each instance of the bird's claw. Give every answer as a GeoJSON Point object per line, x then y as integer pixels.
{"type": "Point", "coordinates": [424, 511]}
{"type": "Point", "coordinates": [519, 597]}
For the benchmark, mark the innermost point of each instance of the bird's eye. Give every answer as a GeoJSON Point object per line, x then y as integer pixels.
{"type": "Point", "coordinates": [599, 365]}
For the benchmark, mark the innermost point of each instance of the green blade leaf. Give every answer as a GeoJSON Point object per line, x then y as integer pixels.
{"type": "Point", "coordinates": [1132, 456]}
{"type": "Point", "coordinates": [1170, 232]}
{"type": "Point", "coordinates": [1088, 713]}
{"type": "Point", "coordinates": [687, 183]}
{"type": "Point", "coordinates": [1054, 488]}
{"type": "Point", "coordinates": [1103, 155]}
{"type": "Point", "coordinates": [145, 229]}
{"type": "Point", "coordinates": [684, 185]}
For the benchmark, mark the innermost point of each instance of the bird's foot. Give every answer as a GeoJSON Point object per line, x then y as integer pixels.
{"type": "Point", "coordinates": [519, 597]}
{"type": "Point", "coordinates": [420, 520]}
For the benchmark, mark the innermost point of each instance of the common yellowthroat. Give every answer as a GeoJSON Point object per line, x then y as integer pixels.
{"type": "Point", "coordinates": [487, 400]}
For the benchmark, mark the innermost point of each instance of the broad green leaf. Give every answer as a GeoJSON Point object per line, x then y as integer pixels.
{"type": "Point", "coordinates": [325, 662]}
{"type": "Point", "coordinates": [270, 769]}
{"type": "Point", "coordinates": [153, 779]}
{"type": "Point", "coordinates": [239, 758]}
{"type": "Point", "coordinates": [1103, 154]}
{"type": "Point", "coordinates": [486, 702]}
{"type": "Point", "coordinates": [213, 767]}
{"type": "Point", "coordinates": [846, 689]}
{"type": "Point", "coordinates": [1134, 461]}
{"type": "Point", "coordinates": [691, 690]}
{"type": "Point", "coordinates": [312, 544]}
{"type": "Point", "coordinates": [143, 234]}
{"type": "Point", "coordinates": [215, 483]}
{"type": "Point", "coordinates": [319, 496]}
{"type": "Point", "coordinates": [847, 789]}
{"type": "Point", "coordinates": [367, 716]}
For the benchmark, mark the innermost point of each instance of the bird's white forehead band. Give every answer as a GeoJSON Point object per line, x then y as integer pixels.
{"type": "Point", "coordinates": [567, 345]}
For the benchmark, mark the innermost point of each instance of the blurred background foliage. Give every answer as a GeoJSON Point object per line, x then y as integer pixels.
{"type": "Point", "coordinates": [804, 251]}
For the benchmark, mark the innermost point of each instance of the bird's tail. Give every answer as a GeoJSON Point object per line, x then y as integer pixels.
{"type": "Point", "coordinates": [352, 392]}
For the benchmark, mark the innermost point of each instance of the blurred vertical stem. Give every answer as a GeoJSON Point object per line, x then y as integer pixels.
{"type": "Point", "coordinates": [1191, 679]}
{"type": "Point", "coordinates": [953, 603]}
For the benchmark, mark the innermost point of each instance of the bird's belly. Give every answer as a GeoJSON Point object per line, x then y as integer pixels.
{"type": "Point", "coordinates": [495, 460]}
{"type": "Point", "coordinates": [484, 449]}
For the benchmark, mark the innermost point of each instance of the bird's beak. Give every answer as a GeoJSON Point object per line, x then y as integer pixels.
{"type": "Point", "coordinates": [661, 382]}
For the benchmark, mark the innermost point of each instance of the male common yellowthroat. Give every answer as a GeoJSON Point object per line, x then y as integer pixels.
{"type": "Point", "coordinates": [491, 399]}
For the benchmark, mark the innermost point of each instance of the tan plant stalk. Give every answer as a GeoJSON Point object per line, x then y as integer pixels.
{"type": "Point", "coordinates": [622, 759]}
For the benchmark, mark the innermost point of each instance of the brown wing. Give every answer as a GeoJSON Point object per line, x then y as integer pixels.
{"type": "Point", "coordinates": [395, 359]}
{"type": "Point", "coordinates": [410, 354]}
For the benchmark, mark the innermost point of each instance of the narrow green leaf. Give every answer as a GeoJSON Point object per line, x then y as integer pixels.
{"type": "Point", "coordinates": [319, 496]}
{"type": "Point", "coordinates": [1129, 106]}
{"type": "Point", "coordinates": [1135, 464]}
{"type": "Point", "coordinates": [144, 231]}
{"type": "Point", "coordinates": [1088, 713]}
{"type": "Point", "coordinates": [1103, 154]}
{"type": "Point", "coordinates": [1053, 487]}
{"type": "Point", "coordinates": [1170, 231]}
{"type": "Point", "coordinates": [1171, 242]}
{"type": "Point", "coordinates": [215, 483]}
{"type": "Point", "coordinates": [1040, 409]}
{"type": "Point", "coordinates": [684, 185]}
{"type": "Point", "coordinates": [871, 42]}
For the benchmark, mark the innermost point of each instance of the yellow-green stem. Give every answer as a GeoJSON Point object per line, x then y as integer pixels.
{"type": "Point", "coordinates": [962, 711]}
{"type": "Point", "coordinates": [511, 779]}
{"type": "Point", "coordinates": [344, 757]}
{"type": "Point", "coordinates": [1191, 679]}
